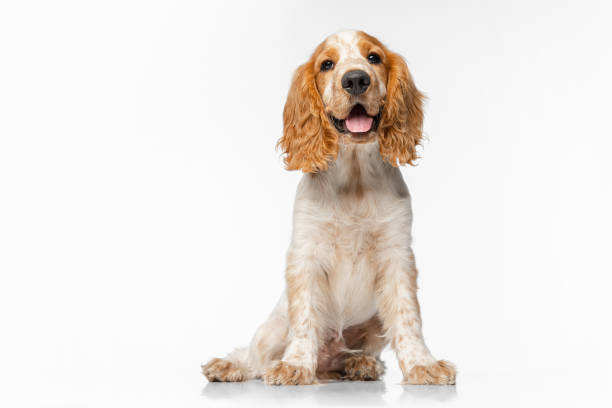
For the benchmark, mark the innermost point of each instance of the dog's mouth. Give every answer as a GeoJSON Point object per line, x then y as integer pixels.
{"type": "Point", "coordinates": [358, 122]}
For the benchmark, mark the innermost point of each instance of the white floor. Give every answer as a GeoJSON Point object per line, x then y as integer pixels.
{"type": "Point", "coordinates": [470, 391]}
{"type": "Point", "coordinates": [494, 389]}
{"type": "Point", "coordinates": [162, 382]}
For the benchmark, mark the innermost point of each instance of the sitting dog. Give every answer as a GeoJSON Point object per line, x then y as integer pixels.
{"type": "Point", "coordinates": [352, 117]}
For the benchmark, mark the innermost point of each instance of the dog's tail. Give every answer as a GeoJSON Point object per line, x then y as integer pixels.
{"type": "Point", "coordinates": [233, 368]}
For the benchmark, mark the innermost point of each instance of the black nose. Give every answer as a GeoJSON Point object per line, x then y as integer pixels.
{"type": "Point", "coordinates": [356, 82]}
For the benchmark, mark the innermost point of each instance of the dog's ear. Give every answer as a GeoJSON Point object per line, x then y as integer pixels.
{"type": "Point", "coordinates": [401, 124]}
{"type": "Point", "coordinates": [308, 141]}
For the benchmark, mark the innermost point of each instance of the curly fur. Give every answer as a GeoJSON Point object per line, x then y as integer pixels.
{"type": "Point", "coordinates": [350, 272]}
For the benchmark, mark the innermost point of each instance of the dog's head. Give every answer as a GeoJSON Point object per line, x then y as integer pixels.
{"type": "Point", "coordinates": [352, 90]}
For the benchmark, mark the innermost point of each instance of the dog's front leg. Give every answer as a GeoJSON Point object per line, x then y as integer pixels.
{"type": "Point", "coordinates": [400, 313]}
{"type": "Point", "coordinates": [299, 362]}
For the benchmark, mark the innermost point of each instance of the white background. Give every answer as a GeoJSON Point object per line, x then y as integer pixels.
{"type": "Point", "coordinates": [145, 214]}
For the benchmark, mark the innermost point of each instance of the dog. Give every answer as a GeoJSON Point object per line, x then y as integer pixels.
{"type": "Point", "coordinates": [352, 117]}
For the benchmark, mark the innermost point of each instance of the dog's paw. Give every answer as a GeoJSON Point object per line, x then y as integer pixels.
{"type": "Point", "coordinates": [440, 372]}
{"type": "Point", "coordinates": [282, 373]}
{"type": "Point", "coordinates": [363, 368]}
{"type": "Point", "coordinates": [219, 369]}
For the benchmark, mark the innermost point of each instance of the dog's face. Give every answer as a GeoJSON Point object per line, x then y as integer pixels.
{"type": "Point", "coordinates": [352, 90]}
{"type": "Point", "coordinates": [351, 77]}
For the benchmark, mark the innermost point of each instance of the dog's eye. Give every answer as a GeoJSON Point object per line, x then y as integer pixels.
{"type": "Point", "coordinates": [327, 65]}
{"type": "Point", "coordinates": [374, 58]}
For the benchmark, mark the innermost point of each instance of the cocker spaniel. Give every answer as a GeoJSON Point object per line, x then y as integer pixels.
{"type": "Point", "coordinates": [352, 117]}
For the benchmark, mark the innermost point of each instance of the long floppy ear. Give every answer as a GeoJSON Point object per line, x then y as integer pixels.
{"type": "Point", "coordinates": [308, 141]}
{"type": "Point", "coordinates": [401, 125]}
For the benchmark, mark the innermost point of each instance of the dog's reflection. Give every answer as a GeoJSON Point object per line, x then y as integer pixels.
{"type": "Point", "coordinates": [413, 393]}
{"type": "Point", "coordinates": [329, 393]}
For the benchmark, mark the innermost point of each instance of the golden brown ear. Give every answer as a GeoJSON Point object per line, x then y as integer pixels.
{"type": "Point", "coordinates": [308, 140]}
{"type": "Point", "coordinates": [401, 124]}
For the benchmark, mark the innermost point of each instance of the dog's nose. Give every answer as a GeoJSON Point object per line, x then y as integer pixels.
{"type": "Point", "coordinates": [356, 82]}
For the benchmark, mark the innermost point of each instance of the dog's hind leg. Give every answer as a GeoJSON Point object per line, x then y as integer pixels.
{"type": "Point", "coordinates": [270, 339]}
{"type": "Point", "coordinates": [246, 363]}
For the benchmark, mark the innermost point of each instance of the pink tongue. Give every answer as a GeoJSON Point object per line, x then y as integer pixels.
{"type": "Point", "coordinates": [358, 123]}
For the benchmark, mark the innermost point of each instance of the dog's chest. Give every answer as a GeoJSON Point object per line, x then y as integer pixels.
{"type": "Point", "coordinates": [347, 214]}
{"type": "Point", "coordinates": [351, 279]}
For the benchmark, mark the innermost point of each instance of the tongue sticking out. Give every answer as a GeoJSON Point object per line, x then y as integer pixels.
{"type": "Point", "coordinates": [358, 120]}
